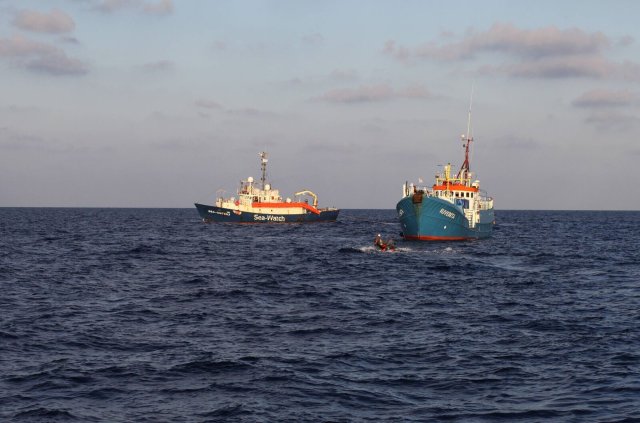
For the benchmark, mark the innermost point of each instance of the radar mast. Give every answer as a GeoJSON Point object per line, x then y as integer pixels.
{"type": "Point", "coordinates": [263, 166]}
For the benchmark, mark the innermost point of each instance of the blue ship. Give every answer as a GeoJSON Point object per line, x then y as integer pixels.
{"type": "Point", "coordinates": [263, 204]}
{"type": "Point", "coordinates": [453, 209]}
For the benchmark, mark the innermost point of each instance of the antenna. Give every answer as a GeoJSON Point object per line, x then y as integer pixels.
{"type": "Point", "coordinates": [470, 104]}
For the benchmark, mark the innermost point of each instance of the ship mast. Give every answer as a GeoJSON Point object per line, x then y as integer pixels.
{"type": "Point", "coordinates": [464, 169]}
{"type": "Point", "coordinates": [466, 139]}
{"type": "Point", "coordinates": [263, 167]}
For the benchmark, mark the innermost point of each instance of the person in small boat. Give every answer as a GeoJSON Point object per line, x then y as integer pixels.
{"type": "Point", "coordinates": [378, 242]}
{"type": "Point", "coordinates": [382, 245]}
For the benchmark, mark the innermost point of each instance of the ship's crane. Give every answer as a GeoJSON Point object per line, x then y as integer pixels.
{"type": "Point", "coordinates": [306, 192]}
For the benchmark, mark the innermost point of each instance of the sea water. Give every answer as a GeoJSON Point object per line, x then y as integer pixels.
{"type": "Point", "coordinates": [114, 315]}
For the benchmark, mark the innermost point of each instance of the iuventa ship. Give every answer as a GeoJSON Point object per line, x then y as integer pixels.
{"type": "Point", "coordinates": [453, 209]}
{"type": "Point", "coordinates": [263, 204]}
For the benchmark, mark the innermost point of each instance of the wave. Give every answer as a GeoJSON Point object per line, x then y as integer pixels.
{"type": "Point", "coordinates": [226, 412]}
{"type": "Point", "coordinates": [7, 335]}
{"type": "Point", "coordinates": [350, 250]}
{"type": "Point", "coordinates": [210, 366]}
{"type": "Point", "coordinates": [46, 414]}
{"type": "Point", "coordinates": [141, 250]}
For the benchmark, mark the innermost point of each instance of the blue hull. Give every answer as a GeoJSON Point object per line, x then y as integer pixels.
{"type": "Point", "coordinates": [434, 219]}
{"type": "Point", "coordinates": [223, 215]}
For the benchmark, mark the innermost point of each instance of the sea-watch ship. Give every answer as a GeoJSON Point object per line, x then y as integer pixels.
{"type": "Point", "coordinates": [261, 203]}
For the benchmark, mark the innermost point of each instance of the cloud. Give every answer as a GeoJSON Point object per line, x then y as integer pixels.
{"type": "Point", "coordinates": [19, 110]}
{"type": "Point", "coordinates": [251, 112]}
{"type": "Point", "coordinates": [19, 46]}
{"type": "Point", "coordinates": [547, 52]}
{"type": "Point", "coordinates": [372, 93]}
{"type": "Point", "coordinates": [604, 98]}
{"type": "Point", "coordinates": [414, 91]}
{"type": "Point", "coordinates": [506, 38]}
{"type": "Point", "coordinates": [343, 75]}
{"type": "Point", "coordinates": [57, 64]}
{"type": "Point", "coordinates": [337, 76]}
{"type": "Point", "coordinates": [556, 67]}
{"type": "Point", "coordinates": [208, 104]}
{"type": "Point", "coordinates": [625, 41]}
{"type": "Point", "coordinates": [398, 52]}
{"type": "Point", "coordinates": [220, 45]}
{"type": "Point", "coordinates": [39, 57]}
{"type": "Point", "coordinates": [10, 140]}
{"type": "Point", "coordinates": [613, 121]}
{"type": "Point", "coordinates": [110, 6]}
{"type": "Point", "coordinates": [159, 66]}
{"type": "Point", "coordinates": [161, 7]}
{"type": "Point", "coordinates": [628, 71]}
{"type": "Point", "coordinates": [313, 39]}
{"type": "Point", "coordinates": [70, 40]}
{"type": "Point", "coordinates": [54, 22]}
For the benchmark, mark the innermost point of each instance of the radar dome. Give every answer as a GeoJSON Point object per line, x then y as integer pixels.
{"type": "Point", "coordinates": [250, 180]}
{"type": "Point", "coordinates": [267, 187]}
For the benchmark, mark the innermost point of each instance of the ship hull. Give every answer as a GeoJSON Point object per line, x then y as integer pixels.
{"type": "Point", "coordinates": [434, 219]}
{"type": "Point", "coordinates": [224, 215]}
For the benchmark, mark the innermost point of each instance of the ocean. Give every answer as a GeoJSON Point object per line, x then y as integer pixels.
{"type": "Point", "coordinates": [150, 315]}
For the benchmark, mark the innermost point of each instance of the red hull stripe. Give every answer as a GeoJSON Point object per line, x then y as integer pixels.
{"type": "Point", "coordinates": [435, 238]}
{"type": "Point", "coordinates": [454, 187]}
{"type": "Point", "coordinates": [286, 206]}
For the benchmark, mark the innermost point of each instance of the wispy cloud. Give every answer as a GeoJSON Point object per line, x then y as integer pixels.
{"type": "Point", "coordinates": [159, 66]}
{"type": "Point", "coordinates": [70, 40]}
{"type": "Point", "coordinates": [606, 98]}
{"type": "Point", "coordinates": [343, 75]}
{"type": "Point", "coordinates": [372, 93]}
{"type": "Point", "coordinates": [21, 141]}
{"type": "Point", "coordinates": [220, 45]}
{"type": "Point", "coordinates": [313, 39]}
{"type": "Point", "coordinates": [208, 104]}
{"type": "Point", "coordinates": [20, 110]}
{"type": "Point", "coordinates": [158, 8]}
{"type": "Point", "coordinates": [54, 22]}
{"type": "Point", "coordinates": [110, 6]}
{"type": "Point", "coordinates": [163, 7]}
{"type": "Point", "coordinates": [547, 52]}
{"type": "Point", "coordinates": [205, 106]}
{"type": "Point", "coordinates": [613, 121]}
{"type": "Point", "coordinates": [625, 41]}
{"type": "Point", "coordinates": [57, 64]}
{"type": "Point", "coordinates": [506, 38]}
{"type": "Point", "coordinates": [40, 57]}
{"type": "Point", "coordinates": [556, 67]}
{"type": "Point", "coordinates": [337, 76]}
{"type": "Point", "coordinates": [11, 140]}
{"type": "Point", "coordinates": [251, 112]}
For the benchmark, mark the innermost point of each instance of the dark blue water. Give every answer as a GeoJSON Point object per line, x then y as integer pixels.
{"type": "Point", "coordinates": [124, 315]}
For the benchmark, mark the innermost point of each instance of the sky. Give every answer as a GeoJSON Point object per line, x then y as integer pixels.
{"type": "Point", "coordinates": [163, 103]}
